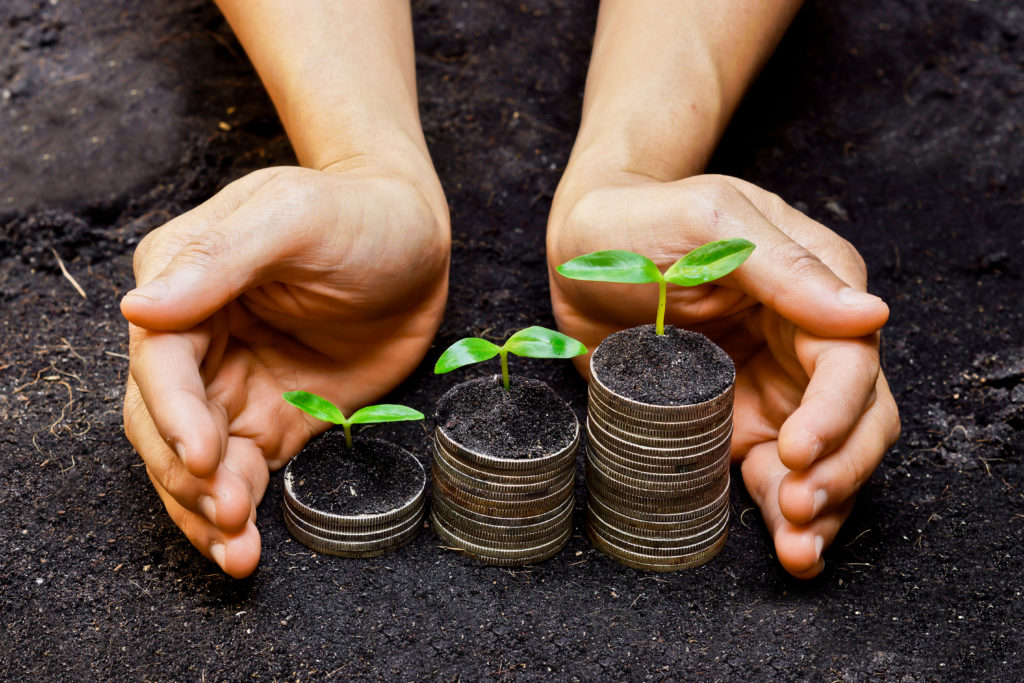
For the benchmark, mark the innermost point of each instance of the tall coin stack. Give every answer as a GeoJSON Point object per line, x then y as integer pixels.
{"type": "Point", "coordinates": [358, 534]}
{"type": "Point", "coordinates": [657, 479]}
{"type": "Point", "coordinates": [504, 511]}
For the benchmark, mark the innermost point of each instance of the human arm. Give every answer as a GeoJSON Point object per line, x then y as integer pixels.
{"type": "Point", "coordinates": [330, 278]}
{"type": "Point", "coordinates": [813, 413]}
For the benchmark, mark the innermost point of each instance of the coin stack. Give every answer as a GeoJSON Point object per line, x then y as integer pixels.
{"type": "Point", "coordinates": [354, 535]}
{"type": "Point", "coordinates": [657, 479]}
{"type": "Point", "coordinates": [504, 511]}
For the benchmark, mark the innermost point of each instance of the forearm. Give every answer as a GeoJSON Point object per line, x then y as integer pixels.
{"type": "Point", "coordinates": [341, 74]}
{"type": "Point", "coordinates": [664, 79]}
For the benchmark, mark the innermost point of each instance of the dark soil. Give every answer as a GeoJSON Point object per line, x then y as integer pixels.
{"type": "Point", "coordinates": [527, 421]}
{"type": "Point", "coordinates": [374, 476]}
{"type": "Point", "coordinates": [896, 123]}
{"type": "Point", "coordinates": [678, 368]}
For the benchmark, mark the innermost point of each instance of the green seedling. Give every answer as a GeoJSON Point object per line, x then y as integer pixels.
{"type": "Point", "coordinates": [322, 409]}
{"type": "Point", "coordinates": [533, 342]}
{"type": "Point", "coordinates": [700, 266]}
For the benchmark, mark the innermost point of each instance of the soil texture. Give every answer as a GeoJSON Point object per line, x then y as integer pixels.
{"type": "Point", "coordinates": [527, 421]}
{"type": "Point", "coordinates": [678, 368]}
{"type": "Point", "coordinates": [895, 123]}
{"type": "Point", "coordinates": [373, 476]}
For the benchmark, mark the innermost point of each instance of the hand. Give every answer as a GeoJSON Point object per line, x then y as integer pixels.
{"type": "Point", "coordinates": [813, 413]}
{"type": "Point", "coordinates": [327, 281]}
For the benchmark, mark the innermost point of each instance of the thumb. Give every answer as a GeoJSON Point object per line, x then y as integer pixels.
{"type": "Point", "coordinates": [214, 268]}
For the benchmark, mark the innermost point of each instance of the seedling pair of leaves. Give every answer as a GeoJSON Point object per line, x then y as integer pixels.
{"type": "Point", "coordinates": [322, 409]}
{"type": "Point", "coordinates": [700, 266]}
{"type": "Point", "coordinates": [533, 342]}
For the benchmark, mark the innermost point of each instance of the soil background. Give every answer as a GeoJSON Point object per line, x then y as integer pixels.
{"type": "Point", "coordinates": [899, 124]}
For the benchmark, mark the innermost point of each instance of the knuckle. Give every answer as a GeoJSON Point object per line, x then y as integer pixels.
{"type": "Point", "coordinates": [795, 258]}
{"type": "Point", "coordinates": [206, 249]}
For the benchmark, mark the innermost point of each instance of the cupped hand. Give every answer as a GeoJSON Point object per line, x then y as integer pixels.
{"type": "Point", "coordinates": [330, 281]}
{"type": "Point", "coordinates": [813, 413]}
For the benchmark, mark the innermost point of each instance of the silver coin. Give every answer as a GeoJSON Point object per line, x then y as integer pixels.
{"type": "Point", "coordinates": [365, 520]}
{"type": "Point", "coordinates": [471, 527]}
{"type": "Point", "coordinates": [617, 430]}
{"type": "Point", "coordinates": [341, 549]}
{"type": "Point", "coordinates": [651, 487]}
{"type": "Point", "coordinates": [640, 464]}
{"type": "Point", "coordinates": [627, 448]}
{"type": "Point", "coordinates": [514, 465]}
{"type": "Point", "coordinates": [633, 473]}
{"type": "Point", "coordinates": [495, 508]}
{"type": "Point", "coordinates": [656, 523]}
{"type": "Point", "coordinates": [508, 538]}
{"type": "Point", "coordinates": [685, 426]}
{"type": "Point", "coordinates": [485, 487]}
{"type": "Point", "coordinates": [659, 412]}
{"type": "Point", "coordinates": [682, 541]}
{"type": "Point", "coordinates": [358, 534]}
{"type": "Point", "coordinates": [490, 555]}
{"type": "Point", "coordinates": [630, 427]}
{"type": "Point", "coordinates": [658, 552]}
{"type": "Point", "coordinates": [631, 503]}
{"type": "Point", "coordinates": [514, 478]}
{"type": "Point", "coordinates": [656, 564]}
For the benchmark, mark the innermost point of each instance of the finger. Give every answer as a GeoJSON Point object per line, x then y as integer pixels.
{"type": "Point", "coordinates": [780, 273]}
{"type": "Point", "coordinates": [836, 478]}
{"type": "Point", "coordinates": [222, 498]}
{"type": "Point", "coordinates": [237, 554]}
{"type": "Point", "coordinates": [798, 547]}
{"type": "Point", "coordinates": [842, 383]}
{"type": "Point", "coordinates": [246, 249]}
{"type": "Point", "coordinates": [165, 367]}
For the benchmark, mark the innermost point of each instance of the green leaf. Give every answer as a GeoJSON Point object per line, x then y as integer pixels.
{"type": "Point", "coordinates": [465, 352]}
{"type": "Point", "coordinates": [709, 262]}
{"type": "Point", "coordinates": [611, 266]}
{"type": "Point", "coordinates": [386, 412]}
{"type": "Point", "coordinates": [540, 342]}
{"type": "Point", "coordinates": [317, 406]}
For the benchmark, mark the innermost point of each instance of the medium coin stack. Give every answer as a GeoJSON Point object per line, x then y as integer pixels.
{"type": "Point", "coordinates": [504, 511]}
{"type": "Point", "coordinates": [657, 479]}
{"type": "Point", "coordinates": [366, 534]}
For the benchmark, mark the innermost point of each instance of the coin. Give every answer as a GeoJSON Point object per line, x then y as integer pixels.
{"type": "Point", "coordinates": [641, 465]}
{"type": "Point", "coordinates": [506, 538]}
{"type": "Point", "coordinates": [681, 543]}
{"type": "Point", "coordinates": [649, 563]}
{"type": "Point", "coordinates": [629, 502]}
{"type": "Point", "coordinates": [358, 534]}
{"type": "Point", "coordinates": [508, 520]}
{"type": "Point", "coordinates": [501, 478]}
{"type": "Point", "coordinates": [344, 549]}
{"type": "Point", "coordinates": [491, 506]}
{"type": "Point", "coordinates": [617, 428]}
{"type": "Point", "coordinates": [682, 426]}
{"type": "Point", "coordinates": [456, 519]}
{"type": "Point", "coordinates": [656, 487]}
{"type": "Point", "coordinates": [658, 522]}
{"type": "Point", "coordinates": [488, 554]}
{"type": "Point", "coordinates": [485, 487]}
{"type": "Point", "coordinates": [371, 520]}
{"type": "Point", "coordinates": [630, 426]}
{"type": "Point", "coordinates": [632, 473]}
{"type": "Point", "coordinates": [658, 412]}
{"type": "Point", "coordinates": [512, 465]}
{"type": "Point", "coordinates": [667, 451]}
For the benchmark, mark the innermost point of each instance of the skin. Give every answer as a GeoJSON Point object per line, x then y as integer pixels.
{"type": "Point", "coordinates": [813, 413]}
{"type": "Point", "coordinates": [332, 277]}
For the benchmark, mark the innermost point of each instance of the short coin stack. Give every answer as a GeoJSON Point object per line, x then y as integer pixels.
{"type": "Point", "coordinates": [504, 511]}
{"type": "Point", "coordinates": [657, 479]}
{"type": "Point", "coordinates": [329, 521]}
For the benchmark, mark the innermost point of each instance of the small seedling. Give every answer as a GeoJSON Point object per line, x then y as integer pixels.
{"type": "Point", "coordinates": [700, 266]}
{"type": "Point", "coordinates": [322, 409]}
{"type": "Point", "coordinates": [533, 342]}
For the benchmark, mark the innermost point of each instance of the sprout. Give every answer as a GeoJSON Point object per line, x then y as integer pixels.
{"type": "Point", "coordinates": [533, 342]}
{"type": "Point", "coordinates": [700, 266]}
{"type": "Point", "coordinates": [322, 409]}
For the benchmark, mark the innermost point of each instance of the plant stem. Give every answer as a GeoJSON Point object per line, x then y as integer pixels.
{"type": "Point", "coordinates": [348, 433]}
{"type": "Point", "coordinates": [504, 368]}
{"type": "Point", "coordinates": [662, 295]}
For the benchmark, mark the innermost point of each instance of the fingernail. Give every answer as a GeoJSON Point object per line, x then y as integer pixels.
{"type": "Point", "coordinates": [179, 448]}
{"type": "Point", "coordinates": [208, 507]}
{"type": "Point", "coordinates": [854, 297]}
{"type": "Point", "coordinates": [817, 446]}
{"type": "Point", "coordinates": [217, 550]}
{"type": "Point", "coordinates": [820, 498]}
{"type": "Point", "coordinates": [819, 545]}
{"type": "Point", "coordinates": [154, 291]}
